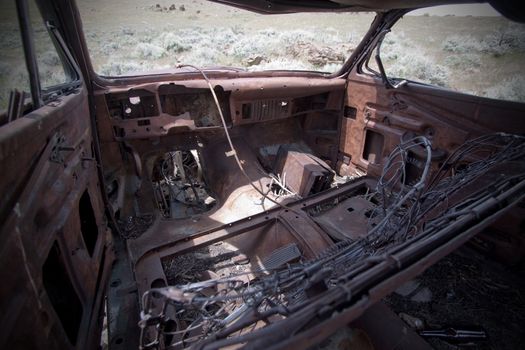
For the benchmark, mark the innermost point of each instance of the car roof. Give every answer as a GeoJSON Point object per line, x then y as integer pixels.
{"type": "Point", "coordinates": [288, 6]}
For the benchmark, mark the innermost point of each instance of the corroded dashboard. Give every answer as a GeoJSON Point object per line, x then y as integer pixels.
{"type": "Point", "coordinates": [153, 110]}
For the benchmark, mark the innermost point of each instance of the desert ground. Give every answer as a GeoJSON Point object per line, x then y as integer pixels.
{"type": "Point", "coordinates": [484, 56]}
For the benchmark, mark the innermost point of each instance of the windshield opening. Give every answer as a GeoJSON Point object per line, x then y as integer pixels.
{"type": "Point", "coordinates": [130, 36]}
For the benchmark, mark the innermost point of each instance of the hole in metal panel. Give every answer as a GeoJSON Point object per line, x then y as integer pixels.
{"type": "Point", "coordinates": [88, 223]}
{"type": "Point", "coordinates": [135, 100]}
{"type": "Point", "coordinates": [350, 112]}
{"type": "Point", "coordinates": [373, 149]}
{"type": "Point", "coordinates": [246, 111]}
{"type": "Point", "coordinates": [158, 283]}
{"type": "Point", "coordinates": [61, 293]}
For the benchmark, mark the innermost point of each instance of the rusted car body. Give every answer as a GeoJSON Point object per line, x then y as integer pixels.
{"type": "Point", "coordinates": [110, 189]}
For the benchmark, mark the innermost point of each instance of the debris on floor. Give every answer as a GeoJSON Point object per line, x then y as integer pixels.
{"type": "Point", "coordinates": [482, 300]}
{"type": "Point", "coordinates": [214, 261]}
{"type": "Point", "coordinates": [133, 226]}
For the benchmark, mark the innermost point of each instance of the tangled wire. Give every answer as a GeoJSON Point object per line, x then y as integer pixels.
{"type": "Point", "coordinates": [224, 311]}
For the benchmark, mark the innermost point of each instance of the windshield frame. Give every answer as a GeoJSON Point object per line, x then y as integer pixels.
{"type": "Point", "coordinates": [221, 71]}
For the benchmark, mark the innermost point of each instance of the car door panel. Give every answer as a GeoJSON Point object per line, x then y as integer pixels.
{"type": "Point", "coordinates": [54, 238]}
{"type": "Point", "coordinates": [384, 115]}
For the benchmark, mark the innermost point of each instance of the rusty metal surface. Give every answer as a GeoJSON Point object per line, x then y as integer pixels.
{"type": "Point", "coordinates": [301, 230]}
{"type": "Point", "coordinates": [152, 127]}
{"type": "Point", "coordinates": [377, 110]}
{"type": "Point", "coordinates": [256, 236]}
{"type": "Point", "coordinates": [349, 219]}
{"type": "Point", "coordinates": [49, 164]}
{"type": "Point", "coordinates": [187, 117]}
{"type": "Point", "coordinates": [374, 269]}
{"type": "Point", "coordinates": [384, 287]}
{"type": "Point", "coordinates": [237, 199]}
{"type": "Point", "coordinates": [167, 238]}
{"type": "Point", "coordinates": [448, 120]}
{"type": "Point", "coordinates": [303, 173]}
{"type": "Point", "coordinates": [166, 133]}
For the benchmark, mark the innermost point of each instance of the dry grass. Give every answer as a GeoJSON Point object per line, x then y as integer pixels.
{"type": "Point", "coordinates": [484, 56]}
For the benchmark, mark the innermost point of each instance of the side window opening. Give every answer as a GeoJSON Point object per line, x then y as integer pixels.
{"type": "Point", "coordinates": [13, 71]}
{"type": "Point", "coordinates": [50, 69]}
{"type": "Point", "coordinates": [54, 68]}
{"type": "Point", "coordinates": [465, 48]}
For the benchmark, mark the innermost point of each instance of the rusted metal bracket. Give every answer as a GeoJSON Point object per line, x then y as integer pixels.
{"type": "Point", "coordinates": [60, 146]}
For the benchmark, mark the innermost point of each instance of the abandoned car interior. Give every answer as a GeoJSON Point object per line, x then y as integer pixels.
{"type": "Point", "coordinates": [211, 208]}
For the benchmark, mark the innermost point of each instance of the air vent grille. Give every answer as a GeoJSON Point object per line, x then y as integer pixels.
{"type": "Point", "coordinates": [269, 109]}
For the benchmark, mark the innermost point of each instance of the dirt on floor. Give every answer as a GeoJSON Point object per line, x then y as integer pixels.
{"type": "Point", "coordinates": [214, 261]}
{"type": "Point", "coordinates": [467, 291]}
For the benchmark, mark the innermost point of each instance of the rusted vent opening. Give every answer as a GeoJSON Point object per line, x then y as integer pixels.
{"type": "Point", "coordinates": [88, 223]}
{"type": "Point", "coordinates": [266, 110]}
{"type": "Point", "coordinates": [373, 147]}
{"type": "Point", "coordinates": [350, 112]}
{"type": "Point", "coordinates": [133, 104]}
{"type": "Point", "coordinates": [61, 293]}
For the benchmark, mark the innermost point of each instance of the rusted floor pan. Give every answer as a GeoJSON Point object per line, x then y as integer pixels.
{"type": "Point", "coordinates": [398, 230]}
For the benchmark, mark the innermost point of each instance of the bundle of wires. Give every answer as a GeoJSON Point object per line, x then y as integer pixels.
{"type": "Point", "coordinates": [403, 211]}
{"type": "Point", "coordinates": [220, 308]}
